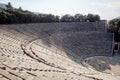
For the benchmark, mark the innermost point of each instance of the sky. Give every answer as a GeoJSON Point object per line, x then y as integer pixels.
{"type": "Point", "coordinates": [107, 9]}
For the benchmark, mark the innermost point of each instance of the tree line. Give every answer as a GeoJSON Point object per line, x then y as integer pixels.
{"type": "Point", "coordinates": [13, 15]}
{"type": "Point", "coordinates": [114, 27]}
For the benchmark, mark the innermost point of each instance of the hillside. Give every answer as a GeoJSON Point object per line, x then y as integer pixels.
{"type": "Point", "coordinates": [53, 51]}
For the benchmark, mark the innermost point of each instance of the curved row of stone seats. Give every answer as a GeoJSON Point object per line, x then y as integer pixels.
{"type": "Point", "coordinates": [10, 43]}
{"type": "Point", "coordinates": [64, 38]}
{"type": "Point", "coordinates": [10, 48]}
{"type": "Point", "coordinates": [15, 27]}
{"type": "Point", "coordinates": [44, 42]}
{"type": "Point", "coordinates": [24, 75]}
{"type": "Point", "coordinates": [57, 59]}
{"type": "Point", "coordinates": [68, 37]}
{"type": "Point", "coordinates": [84, 44]}
{"type": "Point", "coordinates": [68, 64]}
{"type": "Point", "coordinates": [73, 26]}
{"type": "Point", "coordinates": [48, 39]}
{"type": "Point", "coordinates": [21, 30]}
{"type": "Point", "coordinates": [18, 37]}
{"type": "Point", "coordinates": [35, 73]}
{"type": "Point", "coordinates": [45, 52]}
{"type": "Point", "coordinates": [9, 74]}
{"type": "Point", "coordinates": [16, 61]}
{"type": "Point", "coordinates": [51, 51]}
{"type": "Point", "coordinates": [5, 38]}
{"type": "Point", "coordinates": [45, 48]}
{"type": "Point", "coordinates": [41, 29]}
{"type": "Point", "coordinates": [9, 51]}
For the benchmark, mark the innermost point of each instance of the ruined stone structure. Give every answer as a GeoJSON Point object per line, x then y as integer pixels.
{"type": "Point", "coordinates": [52, 51]}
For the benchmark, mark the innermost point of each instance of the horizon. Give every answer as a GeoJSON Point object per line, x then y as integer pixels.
{"type": "Point", "coordinates": [107, 10]}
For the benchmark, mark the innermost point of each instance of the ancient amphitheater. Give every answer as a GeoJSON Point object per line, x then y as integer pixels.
{"type": "Point", "coordinates": [53, 51]}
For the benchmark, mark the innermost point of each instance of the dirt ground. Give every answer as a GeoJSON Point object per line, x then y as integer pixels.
{"type": "Point", "coordinates": [110, 65]}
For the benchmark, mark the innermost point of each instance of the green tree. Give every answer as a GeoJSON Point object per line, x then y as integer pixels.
{"type": "Point", "coordinates": [67, 18]}
{"type": "Point", "coordinates": [93, 18]}
{"type": "Point", "coordinates": [20, 8]}
{"type": "Point", "coordinates": [114, 26]}
{"type": "Point", "coordinates": [96, 17]}
{"type": "Point", "coordinates": [9, 6]}
{"type": "Point", "coordinates": [90, 18]}
{"type": "Point", "coordinates": [79, 18]}
{"type": "Point", "coordinates": [57, 18]}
